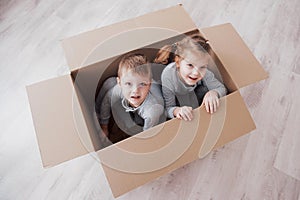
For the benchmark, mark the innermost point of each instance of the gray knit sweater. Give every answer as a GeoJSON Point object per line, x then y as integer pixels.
{"type": "Point", "coordinates": [151, 110]}
{"type": "Point", "coordinates": [173, 88]}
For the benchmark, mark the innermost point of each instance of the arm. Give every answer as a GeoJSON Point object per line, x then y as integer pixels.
{"type": "Point", "coordinates": [103, 100]}
{"type": "Point", "coordinates": [169, 96]}
{"type": "Point", "coordinates": [152, 116]}
{"type": "Point", "coordinates": [104, 128]}
{"type": "Point", "coordinates": [214, 84]}
{"type": "Point", "coordinates": [216, 90]}
{"type": "Point", "coordinates": [184, 112]}
{"type": "Point", "coordinates": [105, 109]}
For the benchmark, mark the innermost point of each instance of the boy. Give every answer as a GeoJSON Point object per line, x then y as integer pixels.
{"type": "Point", "coordinates": [135, 101]}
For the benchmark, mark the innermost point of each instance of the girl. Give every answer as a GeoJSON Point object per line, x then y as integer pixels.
{"type": "Point", "coordinates": [186, 81]}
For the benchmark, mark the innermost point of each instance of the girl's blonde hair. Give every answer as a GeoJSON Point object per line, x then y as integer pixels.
{"type": "Point", "coordinates": [178, 50]}
{"type": "Point", "coordinates": [136, 63]}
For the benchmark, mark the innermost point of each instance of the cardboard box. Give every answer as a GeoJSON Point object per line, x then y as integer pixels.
{"type": "Point", "coordinates": [63, 107]}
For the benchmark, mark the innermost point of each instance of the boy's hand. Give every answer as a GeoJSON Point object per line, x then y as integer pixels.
{"type": "Point", "coordinates": [104, 129]}
{"type": "Point", "coordinates": [211, 101]}
{"type": "Point", "coordinates": [184, 113]}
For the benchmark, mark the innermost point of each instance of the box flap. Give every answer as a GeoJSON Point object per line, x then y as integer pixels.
{"type": "Point", "coordinates": [149, 155]}
{"type": "Point", "coordinates": [234, 54]}
{"type": "Point", "coordinates": [83, 49]}
{"type": "Point", "coordinates": [60, 128]}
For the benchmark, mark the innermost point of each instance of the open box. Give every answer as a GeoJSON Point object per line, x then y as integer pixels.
{"type": "Point", "coordinates": [63, 107]}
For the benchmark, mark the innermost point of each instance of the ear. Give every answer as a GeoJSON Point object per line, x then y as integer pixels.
{"type": "Point", "coordinates": [118, 81]}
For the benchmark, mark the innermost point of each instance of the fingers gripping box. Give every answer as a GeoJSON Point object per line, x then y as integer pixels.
{"type": "Point", "coordinates": [63, 108]}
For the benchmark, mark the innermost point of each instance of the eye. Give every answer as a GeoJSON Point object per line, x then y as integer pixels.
{"type": "Point", "coordinates": [190, 65]}
{"type": "Point", "coordinates": [203, 67]}
{"type": "Point", "coordinates": [127, 83]}
{"type": "Point", "coordinates": [143, 84]}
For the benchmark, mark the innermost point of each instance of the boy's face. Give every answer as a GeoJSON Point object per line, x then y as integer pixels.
{"type": "Point", "coordinates": [134, 87]}
{"type": "Point", "coordinates": [193, 68]}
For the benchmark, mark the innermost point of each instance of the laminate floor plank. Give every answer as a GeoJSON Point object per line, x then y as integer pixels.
{"type": "Point", "coordinates": [263, 164]}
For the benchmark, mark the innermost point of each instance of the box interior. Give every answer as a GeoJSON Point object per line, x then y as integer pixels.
{"type": "Point", "coordinates": [89, 79]}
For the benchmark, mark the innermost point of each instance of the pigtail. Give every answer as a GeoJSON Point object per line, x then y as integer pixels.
{"type": "Point", "coordinates": [173, 52]}
{"type": "Point", "coordinates": [165, 55]}
{"type": "Point", "coordinates": [204, 43]}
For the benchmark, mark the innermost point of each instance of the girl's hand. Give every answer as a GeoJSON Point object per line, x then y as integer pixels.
{"type": "Point", "coordinates": [211, 101]}
{"type": "Point", "coordinates": [184, 113]}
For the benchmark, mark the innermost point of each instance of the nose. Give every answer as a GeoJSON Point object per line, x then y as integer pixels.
{"type": "Point", "coordinates": [135, 88]}
{"type": "Point", "coordinates": [196, 71]}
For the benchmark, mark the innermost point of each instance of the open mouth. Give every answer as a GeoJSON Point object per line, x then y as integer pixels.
{"type": "Point", "coordinates": [135, 97]}
{"type": "Point", "coordinates": [192, 78]}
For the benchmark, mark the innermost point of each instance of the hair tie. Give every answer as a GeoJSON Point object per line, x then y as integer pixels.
{"type": "Point", "coordinates": [174, 47]}
{"type": "Point", "coordinates": [205, 45]}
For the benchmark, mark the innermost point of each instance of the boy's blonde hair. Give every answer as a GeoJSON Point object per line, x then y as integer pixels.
{"type": "Point", "coordinates": [136, 63]}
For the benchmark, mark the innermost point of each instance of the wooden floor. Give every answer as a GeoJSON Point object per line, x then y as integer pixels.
{"type": "Point", "coordinates": [264, 164]}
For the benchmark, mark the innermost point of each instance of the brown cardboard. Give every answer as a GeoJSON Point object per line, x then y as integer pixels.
{"type": "Point", "coordinates": [53, 103]}
{"type": "Point", "coordinates": [161, 149]}
{"type": "Point", "coordinates": [171, 21]}
{"type": "Point", "coordinates": [129, 159]}
{"type": "Point", "coordinates": [244, 69]}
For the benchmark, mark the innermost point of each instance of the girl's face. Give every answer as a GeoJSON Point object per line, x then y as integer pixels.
{"type": "Point", "coordinates": [135, 87]}
{"type": "Point", "coordinates": [192, 68]}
